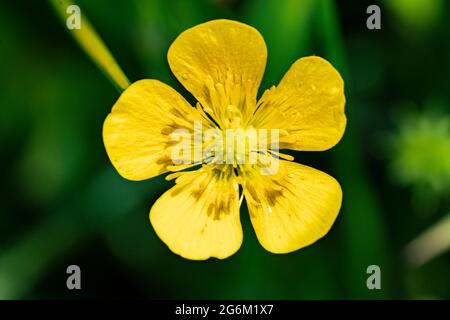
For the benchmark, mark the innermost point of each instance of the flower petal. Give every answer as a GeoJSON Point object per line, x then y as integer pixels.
{"type": "Point", "coordinates": [293, 208]}
{"type": "Point", "coordinates": [221, 62]}
{"type": "Point", "coordinates": [199, 217]}
{"type": "Point", "coordinates": [137, 132]}
{"type": "Point", "coordinates": [308, 103]}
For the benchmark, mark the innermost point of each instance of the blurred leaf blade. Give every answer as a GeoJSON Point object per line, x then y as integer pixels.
{"type": "Point", "coordinates": [365, 245]}
{"type": "Point", "coordinates": [287, 29]}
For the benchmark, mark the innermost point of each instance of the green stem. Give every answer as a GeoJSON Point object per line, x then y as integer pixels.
{"type": "Point", "coordinates": [92, 44]}
{"type": "Point", "coordinates": [430, 244]}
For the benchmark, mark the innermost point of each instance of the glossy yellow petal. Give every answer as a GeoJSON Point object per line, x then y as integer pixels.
{"type": "Point", "coordinates": [221, 62]}
{"type": "Point", "coordinates": [137, 132]}
{"type": "Point", "coordinates": [293, 208]}
{"type": "Point", "coordinates": [308, 103]}
{"type": "Point", "coordinates": [199, 217]}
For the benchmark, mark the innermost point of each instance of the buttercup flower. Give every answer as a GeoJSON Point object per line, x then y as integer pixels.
{"type": "Point", "coordinates": [221, 63]}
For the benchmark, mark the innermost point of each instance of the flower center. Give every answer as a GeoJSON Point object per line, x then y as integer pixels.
{"type": "Point", "coordinates": [238, 146]}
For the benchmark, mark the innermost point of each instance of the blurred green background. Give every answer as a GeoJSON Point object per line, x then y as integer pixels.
{"type": "Point", "coordinates": [62, 202]}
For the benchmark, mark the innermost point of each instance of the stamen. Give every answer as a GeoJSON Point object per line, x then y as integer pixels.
{"type": "Point", "coordinates": [180, 167]}
{"type": "Point", "coordinates": [282, 155]}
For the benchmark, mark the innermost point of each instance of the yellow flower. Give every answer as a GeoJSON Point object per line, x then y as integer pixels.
{"type": "Point", "coordinates": [221, 63]}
